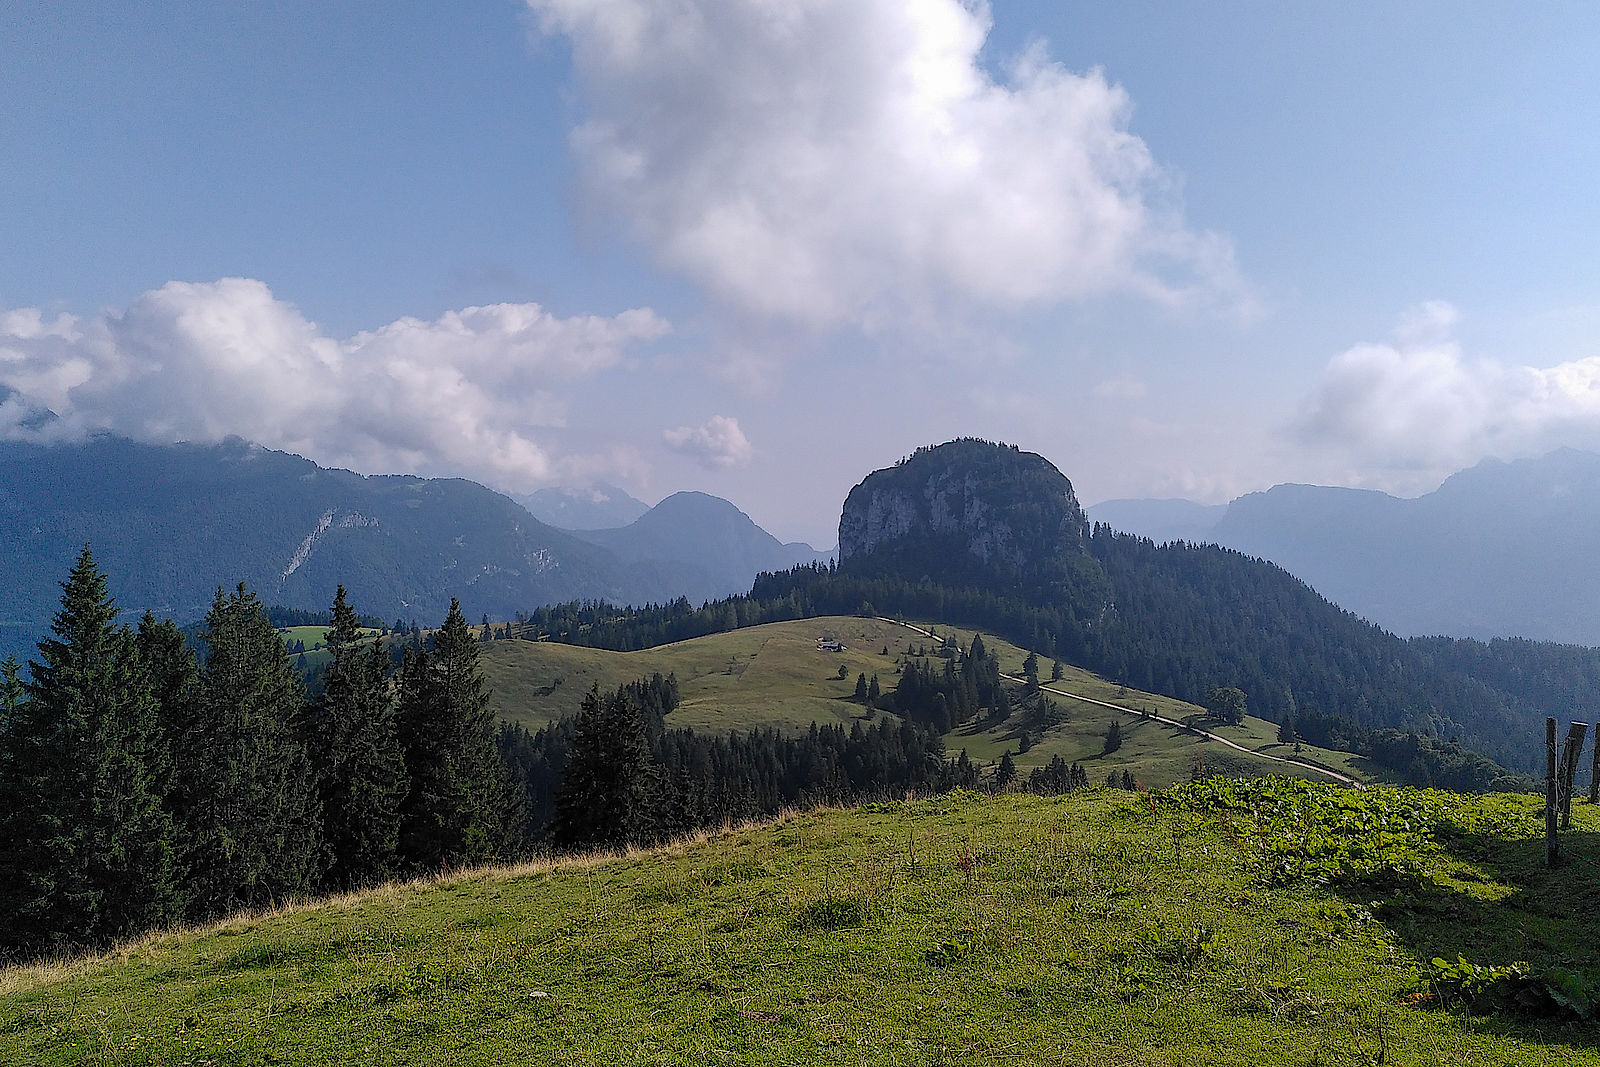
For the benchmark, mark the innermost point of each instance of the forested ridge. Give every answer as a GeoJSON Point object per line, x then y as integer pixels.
{"type": "Point", "coordinates": [1182, 618]}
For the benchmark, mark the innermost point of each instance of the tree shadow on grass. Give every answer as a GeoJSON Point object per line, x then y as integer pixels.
{"type": "Point", "coordinates": [1501, 905]}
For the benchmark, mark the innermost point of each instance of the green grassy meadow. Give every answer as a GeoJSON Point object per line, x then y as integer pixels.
{"type": "Point", "coordinates": [314, 636]}
{"type": "Point", "coordinates": [316, 639]}
{"type": "Point", "coordinates": [1273, 925]}
{"type": "Point", "coordinates": [769, 675]}
{"type": "Point", "coordinates": [774, 675]}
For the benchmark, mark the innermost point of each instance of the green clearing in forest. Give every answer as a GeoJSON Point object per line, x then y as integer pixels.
{"type": "Point", "coordinates": [1234, 925]}
{"type": "Point", "coordinates": [774, 675]}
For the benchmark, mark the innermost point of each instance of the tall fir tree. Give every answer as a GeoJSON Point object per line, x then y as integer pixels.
{"type": "Point", "coordinates": [608, 778]}
{"type": "Point", "coordinates": [1006, 773]}
{"type": "Point", "coordinates": [85, 848]}
{"type": "Point", "coordinates": [242, 791]}
{"type": "Point", "coordinates": [356, 755]}
{"type": "Point", "coordinates": [460, 806]}
{"type": "Point", "coordinates": [15, 818]}
{"type": "Point", "coordinates": [169, 665]}
{"type": "Point", "coordinates": [11, 693]}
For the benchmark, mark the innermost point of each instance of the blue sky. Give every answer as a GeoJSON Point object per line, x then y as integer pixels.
{"type": "Point", "coordinates": [759, 249]}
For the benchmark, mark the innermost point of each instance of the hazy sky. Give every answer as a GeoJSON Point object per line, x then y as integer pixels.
{"type": "Point", "coordinates": [762, 247]}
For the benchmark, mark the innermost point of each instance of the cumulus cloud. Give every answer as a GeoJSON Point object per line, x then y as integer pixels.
{"type": "Point", "coordinates": [717, 442]}
{"type": "Point", "coordinates": [843, 161]}
{"type": "Point", "coordinates": [464, 393]}
{"type": "Point", "coordinates": [1415, 402]}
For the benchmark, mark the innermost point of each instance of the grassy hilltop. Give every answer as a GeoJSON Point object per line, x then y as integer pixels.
{"type": "Point", "coordinates": [1229, 924]}
{"type": "Point", "coordinates": [775, 675]}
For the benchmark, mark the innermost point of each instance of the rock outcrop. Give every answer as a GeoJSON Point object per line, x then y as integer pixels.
{"type": "Point", "coordinates": [968, 509]}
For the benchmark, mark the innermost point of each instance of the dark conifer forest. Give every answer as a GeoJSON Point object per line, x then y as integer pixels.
{"type": "Point", "coordinates": [143, 783]}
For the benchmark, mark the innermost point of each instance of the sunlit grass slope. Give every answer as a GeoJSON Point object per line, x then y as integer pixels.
{"type": "Point", "coordinates": [763, 675]}
{"type": "Point", "coordinates": [774, 675]}
{"type": "Point", "coordinates": [1099, 928]}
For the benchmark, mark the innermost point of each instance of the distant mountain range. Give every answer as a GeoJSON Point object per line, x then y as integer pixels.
{"type": "Point", "coordinates": [1499, 550]}
{"type": "Point", "coordinates": [992, 537]}
{"type": "Point", "coordinates": [592, 507]}
{"type": "Point", "coordinates": [171, 523]}
{"type": "Point", "coordinates": [701, 545]}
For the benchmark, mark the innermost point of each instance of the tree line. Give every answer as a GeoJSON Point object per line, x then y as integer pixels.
{"type": "Point", "coordinates": [618, 775]}
{"type": "Point", "coordinates": [142, 784]}
{"type": "Point", "coordinates": [1183, 620]}
{"type": "Point", "coordinates": [615, 773]}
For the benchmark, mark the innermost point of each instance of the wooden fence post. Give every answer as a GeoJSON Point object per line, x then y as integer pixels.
{"type": "Point", "coordinates": [1552, 846]}
{"type": "Point", "coordinates": [1571, 753]}
{"type": "Point", "coordinates": [1594, 770]}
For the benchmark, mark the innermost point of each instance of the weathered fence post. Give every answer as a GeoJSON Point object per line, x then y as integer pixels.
{"type": "Point", "coordinates": [1594, 770]}
{"type": "Point", "coordinates": [1572, 751]}
{"type": "Point", "coordinates": [1552, 846]}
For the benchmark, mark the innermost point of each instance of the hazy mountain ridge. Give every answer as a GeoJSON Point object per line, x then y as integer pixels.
{"type": "Point", "coordinates": [1182, 617]}
{"type": "Point", "coordinates": [597, 506]}
{"type": "Point", "coordinates": [1499, 549]}
{"type": "Point", "coordinates": [702, 545]}
{"type": "Point", "coordinates": [171, 523]}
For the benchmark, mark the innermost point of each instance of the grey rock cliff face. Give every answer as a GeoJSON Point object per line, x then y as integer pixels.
{"type": "Point", "coordinates": [999, 506]}
{"type": "Point", "coordinates": [888, 516]}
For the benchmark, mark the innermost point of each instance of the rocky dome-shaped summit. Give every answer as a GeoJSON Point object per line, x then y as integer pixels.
{"type": "Point", "coordinates": [964, 509]}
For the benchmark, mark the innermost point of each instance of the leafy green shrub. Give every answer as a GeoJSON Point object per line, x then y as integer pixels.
{"type": "Point", "coordinates": [1375, 839]}
{"type": "Point", "coordinates": [1514, 988]}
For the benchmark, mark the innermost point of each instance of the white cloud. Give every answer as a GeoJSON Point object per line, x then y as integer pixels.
{"type": "Point", "coordinates": [1416, 403]}
{"type": "Point", "coordinates": [717, 442]}
{"type": "Point", "coordinates": [464, 394]}
{"type": "Point", "coordinates": [846, 161]}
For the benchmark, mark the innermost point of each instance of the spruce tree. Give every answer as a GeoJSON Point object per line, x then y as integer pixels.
{"type": "Point", "coordinates": [85, 847]}
{"type": "Point", "coordinates": [460, 806]}
{"type": "Point", "coordinates": [169, 665]}
{"type": "Point", "coordinates": [1006, 773]}
{"type": "Point", "coordinates": [11, 694]}
{"type": "Point", "coordinates": [607, 781]}
{"type": "Point", "coordinates": [15, 821]}
{"type": "Point", "coordinates": [356, 756]}
{"type": "Point", "coordinates": [242, 789]}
